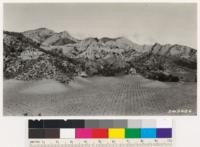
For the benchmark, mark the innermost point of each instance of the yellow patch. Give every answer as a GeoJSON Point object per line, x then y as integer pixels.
{"type": "Point", "coordinates": [116, 133]}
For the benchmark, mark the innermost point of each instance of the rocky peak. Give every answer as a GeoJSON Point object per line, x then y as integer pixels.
{"type": "Point", "coordinates": [174, 50]}
{"type": "Point", "coordinates": [38, 35]}
{"type": "Point", "coordinates": [61, 38]}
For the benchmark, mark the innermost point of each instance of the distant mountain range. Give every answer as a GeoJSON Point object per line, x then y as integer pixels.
{"type": "Point", "coordinates": [62, 57]}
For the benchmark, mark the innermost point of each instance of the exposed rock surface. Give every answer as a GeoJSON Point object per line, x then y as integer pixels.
{"type": "Point", "coordinates": [43, 53]}
{"type": "Point", "coordinates": [61, 38]}
{"type": "Point", "coordinates": [39, 35]}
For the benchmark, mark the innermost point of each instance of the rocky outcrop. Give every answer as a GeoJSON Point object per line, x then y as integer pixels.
{"type": "Point", "coordinates": [43, 53]}
{"type": "Point", "coordinates": [39, 35]}
{"type": "Point", "coordinates": [176, 50]}
{"type": "Point", "coordinates": [47, 65]}
{"type": "Point", "coordinates": [58, 39]}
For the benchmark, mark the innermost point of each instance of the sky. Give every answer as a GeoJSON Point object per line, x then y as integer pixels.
{"type": "Point", "coordinates": [143, 23]}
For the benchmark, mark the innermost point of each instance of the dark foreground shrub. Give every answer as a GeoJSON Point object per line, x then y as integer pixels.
{"type": "Point", "coordinates": [162, 76]}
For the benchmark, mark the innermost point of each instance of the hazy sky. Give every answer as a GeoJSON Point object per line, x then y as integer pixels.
{"type": "Point", "coordinates": [141, 23]}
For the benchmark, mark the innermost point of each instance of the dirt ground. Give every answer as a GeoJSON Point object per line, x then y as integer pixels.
{"type": "Point", "coordinates": [123, 95]}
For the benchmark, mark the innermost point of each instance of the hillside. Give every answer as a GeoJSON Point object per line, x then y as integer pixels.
{"type": "Point", "coordinates": [176, 50]}
{"type": "Point", "coordinates": [38, 35]}
{"type": "Point", "coordinates": [61, 38]}
{"type": "Point", "coordinates": [43, 53]}
{"type": "Point", "coordinates": [25, 60]}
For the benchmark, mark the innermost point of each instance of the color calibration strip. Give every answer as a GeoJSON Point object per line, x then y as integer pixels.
{"type": "Point", "coordinates": [100, 129]}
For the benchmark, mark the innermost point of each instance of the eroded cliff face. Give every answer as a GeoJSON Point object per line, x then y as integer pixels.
{"type": "Point", "coordinates": [43, 53]}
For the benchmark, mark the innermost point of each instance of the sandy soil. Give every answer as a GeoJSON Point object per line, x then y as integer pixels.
{"type": "Point", "coordinates": [125, 95]}
{"type": "Point", "coordinates": [45, 87]}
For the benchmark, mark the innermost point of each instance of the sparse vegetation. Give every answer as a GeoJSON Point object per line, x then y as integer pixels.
{"type": "Point", "coordinates": [93, 56]}
{"type": "Point", "coordinates": [87, 70]}
{"type": "Point", "coordinates": [100, 95]}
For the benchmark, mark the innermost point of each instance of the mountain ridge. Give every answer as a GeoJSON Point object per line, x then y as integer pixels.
{"type": "Point", "coordinates": [104, 55]}
{"type": "Point", "coordinates": [38, 35]}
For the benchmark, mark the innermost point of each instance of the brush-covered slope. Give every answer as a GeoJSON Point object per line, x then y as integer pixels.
{"type": "Point", "coordinates": [61, 38]}
{"type": "Point", "coordinates": [106, 56]}
{"type": "Point", "coordinates": [39, 35]}
{"type": "Point", "coordinates": [41, 64]}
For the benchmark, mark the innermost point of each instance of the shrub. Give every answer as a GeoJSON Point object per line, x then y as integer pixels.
{"type": "Point", "coordinates": [162, 76]}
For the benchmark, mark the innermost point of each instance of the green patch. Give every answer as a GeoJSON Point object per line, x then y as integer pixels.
{"type": "Point", "coordinates": [132, 133]}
